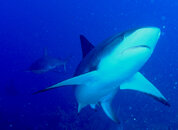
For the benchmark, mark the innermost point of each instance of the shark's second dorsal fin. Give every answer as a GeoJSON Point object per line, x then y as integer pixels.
{"type": "Point", "coordinates": [85, 45]}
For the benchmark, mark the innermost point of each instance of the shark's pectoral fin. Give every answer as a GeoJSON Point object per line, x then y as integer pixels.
{"type": "Point", "coordinates": [139, 83]}
{"type": "Point", "coordinates": [78, 80]}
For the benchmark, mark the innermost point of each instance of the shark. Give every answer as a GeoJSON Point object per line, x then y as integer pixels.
{"type": "Point", "coordinates": [46, 63]}
{"type": "Point", "coordinates": [111, 66]}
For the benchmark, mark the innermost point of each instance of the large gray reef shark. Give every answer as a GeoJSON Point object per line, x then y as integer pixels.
{"type": "Point", "coordinates": [46, 63]}
{"type": "Point", "coordinates": [112, 65]}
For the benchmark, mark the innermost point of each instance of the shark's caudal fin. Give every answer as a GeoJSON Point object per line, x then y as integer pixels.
{"type": "Point", "coordinates": [107, 106]}
{"type": "Point", "coordinates": [85, 45]}
{"type": "Point", "coordinates": [139, 83]}
{"type": "Point", "coordinates": [78, 80]}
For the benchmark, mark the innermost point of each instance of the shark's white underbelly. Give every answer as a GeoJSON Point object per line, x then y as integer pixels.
{"type": "Point", "coordinates": [92, 93]}
{"type": "Point", "coordinates": [111, 73]}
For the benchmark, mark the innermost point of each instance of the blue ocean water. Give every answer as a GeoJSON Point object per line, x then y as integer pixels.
{"type": "Point", "coordinates": [27, 27]}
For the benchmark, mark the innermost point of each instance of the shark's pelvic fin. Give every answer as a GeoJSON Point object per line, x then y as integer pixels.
{"type": "Point", "coordinates": [106, 104]}
{"type": "Point", "coordinates": [80, 106]}
{"type": "Point", "coordinates": [139, 83]}
{"type": "Point", "coordinates": [78, 80]}
{"type": "Point", "coordinates": [85, 45]}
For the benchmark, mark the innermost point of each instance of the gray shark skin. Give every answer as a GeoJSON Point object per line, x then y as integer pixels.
{"type": "Point", "coordinates": [114, 65]}
{"type": "Point", "coordinates": [46, 63]}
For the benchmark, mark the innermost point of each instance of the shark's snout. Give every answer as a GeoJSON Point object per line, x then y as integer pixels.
{"type": "Point", "coordinates": [149, 36]}
{"type": "Point", "coordinates": [151, 29]}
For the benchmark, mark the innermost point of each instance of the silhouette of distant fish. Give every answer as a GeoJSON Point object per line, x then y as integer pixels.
{"type": "Point", "coordinates": [47, 63]}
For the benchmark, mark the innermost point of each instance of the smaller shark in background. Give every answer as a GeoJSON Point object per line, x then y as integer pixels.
{"type": "Point", "coordinates": [47, 63]}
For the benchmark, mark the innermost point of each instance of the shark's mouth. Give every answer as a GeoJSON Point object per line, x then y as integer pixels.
{"type": "Point", "coordinates": [136, 47]}
{"type": "Point", "coordinates": [140, 46]}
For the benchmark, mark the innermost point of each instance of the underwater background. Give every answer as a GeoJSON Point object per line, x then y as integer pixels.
{"type": "Point", "coordinates": [27, 27]}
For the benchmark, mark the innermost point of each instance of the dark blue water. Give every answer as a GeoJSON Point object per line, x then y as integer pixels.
{"type": "Point", "coordinates": [29, 26]}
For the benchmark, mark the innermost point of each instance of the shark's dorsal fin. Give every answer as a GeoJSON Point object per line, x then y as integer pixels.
{"type": "Point", "coordinates": [139, 83]}
{"type": "Point", "coordinates": [85, 45]}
